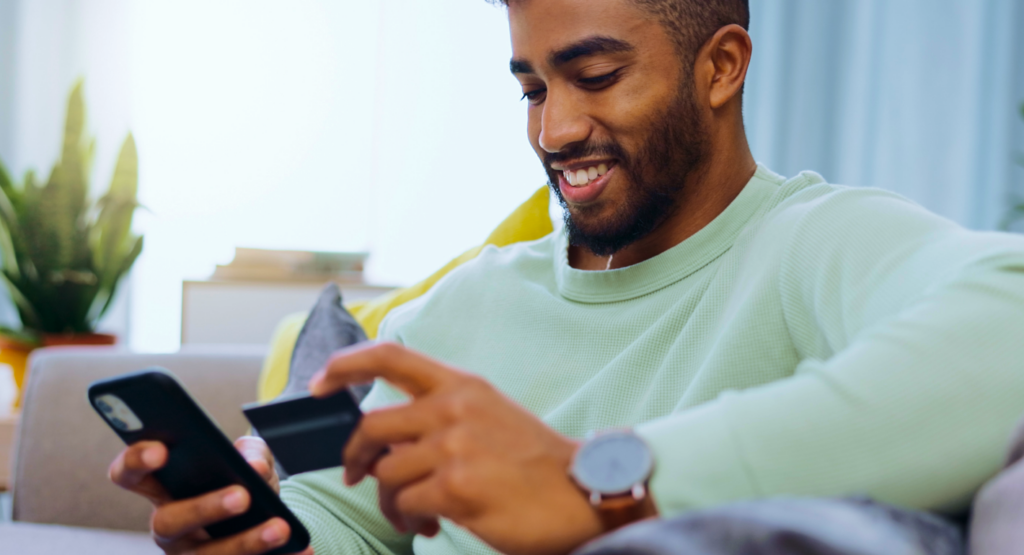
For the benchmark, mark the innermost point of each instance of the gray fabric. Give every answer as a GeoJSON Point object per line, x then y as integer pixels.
{"type": "Point", "coordinates": [788, 527]}
{"type": "Point", "coordinates": [329, 327]}
{"type": "Point", "coordinates": [64, 449]}
{"type": "Point", "coordinates": [997, 525]}
{"type": "Point", "coordinates": [41, 539]}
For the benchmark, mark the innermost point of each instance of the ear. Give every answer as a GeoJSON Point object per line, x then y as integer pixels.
{"type": "Point", "coordinates": [724, 59]}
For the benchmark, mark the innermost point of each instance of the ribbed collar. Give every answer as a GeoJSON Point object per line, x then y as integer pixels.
{"type": "Point", "coordinates": [673, 265]}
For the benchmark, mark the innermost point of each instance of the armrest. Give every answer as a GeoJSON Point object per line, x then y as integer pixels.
{"type": "Point", "coordinates": [63, 449]}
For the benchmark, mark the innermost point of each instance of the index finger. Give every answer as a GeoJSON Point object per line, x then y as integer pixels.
{"type": "Point", "coordinates": [413, 373]}
{"type": "Point", "coordinates": [133, 470]}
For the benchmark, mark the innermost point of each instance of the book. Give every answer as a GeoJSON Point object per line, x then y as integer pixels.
{"type": "Point", "coordinates": [290, 265]}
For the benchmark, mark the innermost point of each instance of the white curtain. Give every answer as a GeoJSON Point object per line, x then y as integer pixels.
{"type": "Point", "coordinates": [917, 96]}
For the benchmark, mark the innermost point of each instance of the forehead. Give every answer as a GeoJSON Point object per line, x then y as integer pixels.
{"type": "Point", "coordinates": [539, 27]}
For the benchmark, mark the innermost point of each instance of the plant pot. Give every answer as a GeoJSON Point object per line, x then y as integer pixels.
{"type": "Point", "coordinates": [15, 353]}
{"type": "Point", "coordinates": [64, 339]}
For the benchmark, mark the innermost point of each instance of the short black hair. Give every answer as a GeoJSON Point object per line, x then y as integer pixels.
{"type": "Point", "coordinates": [691, 22]}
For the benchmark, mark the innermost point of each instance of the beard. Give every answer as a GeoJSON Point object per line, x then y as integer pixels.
{"type": "Point", "coordinates": [655, 175]}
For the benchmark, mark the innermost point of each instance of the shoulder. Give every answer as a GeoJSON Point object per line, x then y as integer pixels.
{"type": "Point", "coordinates": [809, 216]}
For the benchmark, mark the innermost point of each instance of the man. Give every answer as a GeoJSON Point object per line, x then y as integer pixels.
{"type": "Point", "coordinates": [763, 336]}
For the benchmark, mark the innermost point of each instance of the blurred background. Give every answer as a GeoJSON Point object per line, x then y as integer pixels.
{"type": "Point", "coordinates": [393, 127]}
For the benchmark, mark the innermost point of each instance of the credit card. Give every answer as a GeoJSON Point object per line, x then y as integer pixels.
{"type": "Point", "coordinates": [305, 433]}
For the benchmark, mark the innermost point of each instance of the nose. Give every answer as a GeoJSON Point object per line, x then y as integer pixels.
{"type": "Point", "coordinates": [562, 123]}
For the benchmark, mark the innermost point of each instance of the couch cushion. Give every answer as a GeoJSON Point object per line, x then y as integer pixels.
{"type": "Point", "coordinates": [45, 539]}
{"type": "Point", "coordinates": [64, 449]}
{"type": "Point", "coordinates": [529, 222]}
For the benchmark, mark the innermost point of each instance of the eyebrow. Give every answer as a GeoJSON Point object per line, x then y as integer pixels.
{"type": "Point", "coordinates": [591, 46]}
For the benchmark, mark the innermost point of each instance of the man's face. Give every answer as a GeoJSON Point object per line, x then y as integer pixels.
{"type": "Point", "coordinates": [613, 115]}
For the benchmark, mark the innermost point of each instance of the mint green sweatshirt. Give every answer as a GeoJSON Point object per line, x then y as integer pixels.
{"type": "Point", "coordinates": [813, 340]}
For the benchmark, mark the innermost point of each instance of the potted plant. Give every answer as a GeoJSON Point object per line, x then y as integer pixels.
{"type": "Point", "coordinates": [62, 252]}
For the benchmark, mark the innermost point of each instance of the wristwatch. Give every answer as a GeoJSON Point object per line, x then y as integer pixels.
{"type": "Point", "coordinates": [613, 468]}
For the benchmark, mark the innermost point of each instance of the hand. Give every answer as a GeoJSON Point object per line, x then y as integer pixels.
{"type": "Point", "coordinates": [463, 451]}
{"type": "Point", "coordinates": [177, 526]}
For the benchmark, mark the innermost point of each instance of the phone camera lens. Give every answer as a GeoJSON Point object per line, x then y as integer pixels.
{"type": "Point", "coordinates": [118, 423]}
{"type": "Point", "coordinates": [104, 407]}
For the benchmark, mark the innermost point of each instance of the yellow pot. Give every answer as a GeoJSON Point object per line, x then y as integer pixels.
{"type": "Point", "coordinates": [15, 354]}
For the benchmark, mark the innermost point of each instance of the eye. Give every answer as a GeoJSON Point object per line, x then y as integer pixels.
{"type": "Point", "coordinates": [600, 80]}
{"type": "Point", "coordinates": [535, 96]}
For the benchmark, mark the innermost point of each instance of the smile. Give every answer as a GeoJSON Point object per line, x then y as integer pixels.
{"type": "Point", "coordinates": [583, 176]}
{"type": "Point", "coordinates": [583, 182]}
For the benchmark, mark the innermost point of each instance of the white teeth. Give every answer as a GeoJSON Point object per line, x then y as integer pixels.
{"type": "Point", "coordinates": [581, 177]}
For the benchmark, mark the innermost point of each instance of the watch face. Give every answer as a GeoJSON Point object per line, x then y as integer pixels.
{"type": "Point", "coordinates": [612, 463]}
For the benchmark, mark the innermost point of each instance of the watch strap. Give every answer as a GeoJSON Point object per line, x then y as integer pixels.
{"type": "Point", "coordinates": [622, 510]}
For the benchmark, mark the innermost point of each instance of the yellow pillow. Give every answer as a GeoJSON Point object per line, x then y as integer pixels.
{"type": "Point", "coordinates": [529, 222]}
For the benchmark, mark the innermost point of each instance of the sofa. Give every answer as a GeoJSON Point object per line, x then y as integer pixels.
{"type": "Point", "coordinates": [61, 500]}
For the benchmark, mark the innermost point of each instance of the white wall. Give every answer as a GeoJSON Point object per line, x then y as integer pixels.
{"type": "Point", "coordinates": [392, 127]}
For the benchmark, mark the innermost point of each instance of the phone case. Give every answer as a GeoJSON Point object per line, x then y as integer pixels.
{"type": "Point", "coordinates": [201, 458]}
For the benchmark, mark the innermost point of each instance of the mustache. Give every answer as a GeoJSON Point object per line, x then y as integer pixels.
{"type": "Point", "coordinates": [577, 151]}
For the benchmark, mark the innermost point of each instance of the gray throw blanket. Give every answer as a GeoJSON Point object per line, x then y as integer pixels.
{"type": "Point", "coordinates": [788, 526]}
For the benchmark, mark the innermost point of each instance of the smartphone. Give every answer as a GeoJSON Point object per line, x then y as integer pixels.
{"type": "Point", "coordinates": [152, 405]}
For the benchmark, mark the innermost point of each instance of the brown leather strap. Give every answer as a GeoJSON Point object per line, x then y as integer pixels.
{"type": "Point", "coordinates": [619, 511]}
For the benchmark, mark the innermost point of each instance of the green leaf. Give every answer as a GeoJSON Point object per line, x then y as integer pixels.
{"type": "Point", "coordinates": [113, 224]}
{"type": "Point", "coordinates": [28, 337]}
{"type": "Point", "coordinates": [109, 291]}
{"type": "Point", "coordinates": [7, 186]}
{"type": "Point", "coordinates": [29, 317]}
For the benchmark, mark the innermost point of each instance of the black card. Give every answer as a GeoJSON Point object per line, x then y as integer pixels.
{"type": "Point", "coordinates": [306, 433]}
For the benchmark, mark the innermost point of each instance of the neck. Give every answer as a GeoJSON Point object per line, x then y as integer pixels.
{"type": "Point", "coordinates": [707, 193]}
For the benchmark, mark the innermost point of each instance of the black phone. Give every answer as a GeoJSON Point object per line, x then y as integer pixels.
{"type": "Point", "coordinates": [152, 405]}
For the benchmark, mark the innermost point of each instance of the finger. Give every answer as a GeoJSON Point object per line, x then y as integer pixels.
{"type": "Point", "coordinates": [429, 528]}
{"type": "Point", "coordinates": [405, 464]}
{"type": "Point", "coordinates": [179, 518]}
{"type": "Point", "coordinates": [413, 373]}
{"type": "Point", "coordinates": [255, 451]}
{"type": "Point", "coordinates": [402, 523]}
{"type": "Point", "coordinates": [424, 500]}
{"type": "Point", "coordinates": [385, 427]}
{"type": "Point", "coordinates": [255, 541]}
{"type": "Point", "coordinates": [133, 469]}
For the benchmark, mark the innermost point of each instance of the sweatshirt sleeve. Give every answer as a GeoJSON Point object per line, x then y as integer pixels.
{"type": "Point", "coordinates": [923, 380]}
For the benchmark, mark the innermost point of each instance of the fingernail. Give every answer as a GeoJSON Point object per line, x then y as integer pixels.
{"type": "Point", "coordinates": [271, 535]}
{"type": "Point", "coordinates": [152, 456]}
{"type": "Point", "coordinates": [234, 502]}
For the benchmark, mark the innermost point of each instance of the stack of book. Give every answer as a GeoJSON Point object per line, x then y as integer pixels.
{"type": "Point", "coordinates": [274, 265]}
